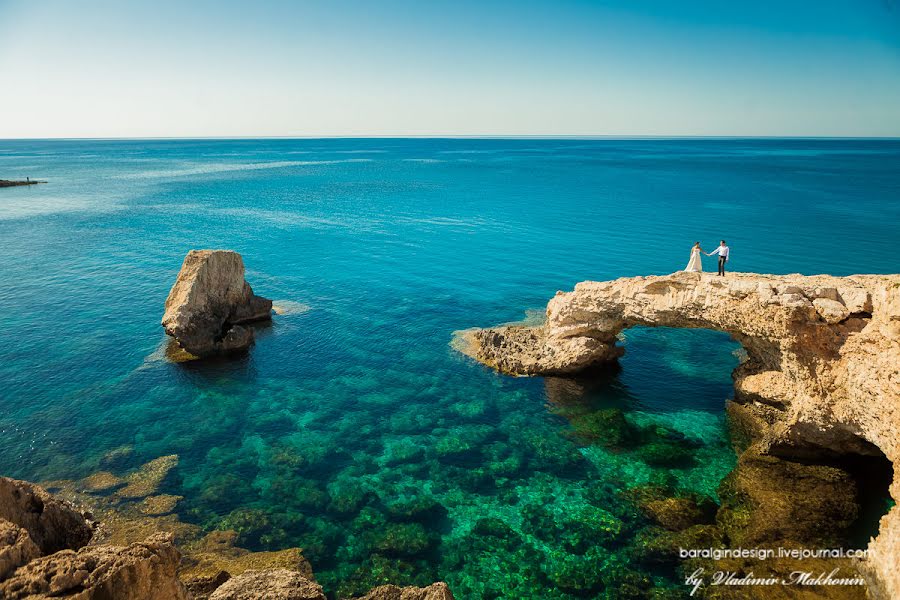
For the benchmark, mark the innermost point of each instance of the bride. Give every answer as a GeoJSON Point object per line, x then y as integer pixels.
{"type": "Point", "coordinates": [694, 265]}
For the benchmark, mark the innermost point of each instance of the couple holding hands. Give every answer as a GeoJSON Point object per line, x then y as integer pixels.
{"type": "Point", "coordinates": [696, 266]}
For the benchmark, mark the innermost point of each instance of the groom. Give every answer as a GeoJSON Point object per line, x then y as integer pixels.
{"type": "Point", "coordinates": [722, 251]}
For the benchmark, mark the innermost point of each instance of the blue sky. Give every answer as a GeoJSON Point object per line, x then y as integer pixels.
{"type": "Point", "coordinates": [131, 68]}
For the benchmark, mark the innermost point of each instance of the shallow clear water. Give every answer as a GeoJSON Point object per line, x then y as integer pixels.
{"type": "Point", "coordinates": [353, 429]}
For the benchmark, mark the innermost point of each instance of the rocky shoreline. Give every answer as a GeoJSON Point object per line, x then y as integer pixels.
{"type": "Point", "coordinates": [820, 385]}
{"type": "Point", "coordinates": [119, 541]}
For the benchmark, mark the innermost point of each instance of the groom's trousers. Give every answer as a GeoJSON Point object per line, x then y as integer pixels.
{"type": "Point", "coordinates": [722, 261]}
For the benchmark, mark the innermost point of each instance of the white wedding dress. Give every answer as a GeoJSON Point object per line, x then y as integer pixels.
{"type": "Point", "coordinates": [694, 265]}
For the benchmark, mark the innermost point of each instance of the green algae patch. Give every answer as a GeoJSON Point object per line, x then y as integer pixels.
{"type": "Point", "coordinates": [159, 505]}
{"type": "Point", "coordinates": [148, 478]}
{"type": "Point", "coordinates": [607, 427]}
{"type": "Point", "coordinates": [101, 482]}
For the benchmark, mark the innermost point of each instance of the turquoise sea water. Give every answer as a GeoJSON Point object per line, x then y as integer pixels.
{"type": "Point", "coordinates": [353, 429]}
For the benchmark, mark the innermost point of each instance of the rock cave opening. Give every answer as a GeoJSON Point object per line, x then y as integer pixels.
{"type": "Point", "coordinates": [678, 371]}
{"type": "Point", "coordinates": [873, 475]}
{"type": "Point", "coordinates": [868, 474]}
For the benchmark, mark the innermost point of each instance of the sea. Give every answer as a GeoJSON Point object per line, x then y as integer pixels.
{"type": "Point", "coordinates": [353, 428]}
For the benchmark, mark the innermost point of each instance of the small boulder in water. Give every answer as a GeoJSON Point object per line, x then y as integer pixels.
{"type": "Point", "coordinates": [210, 304]}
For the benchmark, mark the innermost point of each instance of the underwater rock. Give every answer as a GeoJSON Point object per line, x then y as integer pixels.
{"type": "Point", "coordinates": [290, 307]}
{"type": "Point", "coordinates": [579, 575]}
{"type": "Point", "coordinates": [607, 427]}
{"type": "Point", "coordinates": [496, 528]}
{"type": "Point", "coordinates": [210, 302]}
{"type": "Point", "coordinates": [578, 529]}
{"type": "Point", "coordinates": [656, 545]}
{"type": "Point", "coordinates": [378, 570]}
{"type": "Point", "coordinates": [159, 505]}
{"type": "Point", "coordinates": [212, 566]}
{"type": "Point", "coordinates": [248, 523]}
{"type": "Point", "coordinates": [348, 497]}
{"type": "Point", "coordinates": [462, 444]}
{"type": "Point", "coordinates": [101, 482]}
{"type": "Point", "coordinates": [665, 454]}
{"type": "Point", "coordinates": [422, 508]}
{"type": "Point", "coordinates": [679, 513]}
{"type": "Point", "coordinates": [147, 479]}
{"type": "Point", "coordinates": [552, 453]}
{"type": "Point", "coordinates": [771, 500]}
{"type": "Point", "coordinates": [52, 524]}
{"type": "Point", "coordinates": [586, 527]}
{"type": "Point", "coordinates": [402, 450]}
{"type": "Point", "coordinates": [517, 575]}
{"type": "Point", "coordinates": [820, 376]}
{"type": "Point", "coordinates": [435, 591]}
{"type": "Point", "coordinates": [117, 456]}
{"type": "Point", "coordinates": [142, 571]}
{"type": "Point", "coordinates": [401, 539]}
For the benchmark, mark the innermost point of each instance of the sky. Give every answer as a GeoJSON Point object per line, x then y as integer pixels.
{"type": "Point", "coordinates": [167, 68]}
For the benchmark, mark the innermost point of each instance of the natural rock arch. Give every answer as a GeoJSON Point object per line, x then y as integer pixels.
{"type": "Point", "coordinates": [823, 368]}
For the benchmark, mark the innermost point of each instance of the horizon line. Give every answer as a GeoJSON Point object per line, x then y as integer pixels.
{"type": "Point", "coordinates": [462, 137]}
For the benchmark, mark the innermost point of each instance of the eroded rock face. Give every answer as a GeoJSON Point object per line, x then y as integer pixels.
{"type": "Point", "coordinates": [116, 567]}
{"type": "Point", "coordinates": [51, 524]}
{"type": "Point", "coordinates": [272, 584]}
{"type": "Point", "coordinates": [16, 548]}
{"type": "Point", "coordinates": [143, 571]}
{"type": "Point", "coordinates": [435, 591]}
{"type": "Point", "coordinates": [822, 375]}
{"type": "Point", "coordinates": [210, 304]}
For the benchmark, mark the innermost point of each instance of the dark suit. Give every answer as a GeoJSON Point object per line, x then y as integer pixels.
{"type": "Point", "coordinates": [722, 258]}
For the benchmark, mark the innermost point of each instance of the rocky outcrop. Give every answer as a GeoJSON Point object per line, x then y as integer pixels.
{"type": "Point", "coordinates": [144, 571]}
{"type": "Point", "coordinates": [435, 591]}
{"type": "Point", "coordinates": [821, 377]}
{"type": "Point", "coordinates": [51, 524]}
{"type": "Point", "coordinates": [44, 553]}
{"type": "Point", "coordinates": [210, 305]}
{"type": "Point", "coordinates": [115, 566]}
{"type": "Point", "coordinates": [13, 183]}
{"type": "Point", "coordinates": [274, 584]}
{"type": "Point", "coordinates": [16, 548]}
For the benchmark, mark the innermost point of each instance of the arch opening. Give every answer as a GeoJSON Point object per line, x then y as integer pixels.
{"type": "Point", "coordinates": [796, 494]}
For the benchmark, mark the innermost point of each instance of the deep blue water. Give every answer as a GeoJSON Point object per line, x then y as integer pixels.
{"type": "Point", "coordinates": [354, 403]}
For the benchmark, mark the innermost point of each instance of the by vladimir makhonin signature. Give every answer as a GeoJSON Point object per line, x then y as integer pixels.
{"type": "Point", "coordinates": [696, 580]}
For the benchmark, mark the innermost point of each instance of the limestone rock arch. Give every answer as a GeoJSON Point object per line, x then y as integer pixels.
{"type": "Point", "coordinates": [822, 373]}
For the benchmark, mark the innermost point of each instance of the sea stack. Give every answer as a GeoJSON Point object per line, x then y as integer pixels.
{"type": "Point", "coordinates": [210, 304]}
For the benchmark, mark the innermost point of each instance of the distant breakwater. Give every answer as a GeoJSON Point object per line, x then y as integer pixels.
{"type": "Point", "coordinates": [11, 183]}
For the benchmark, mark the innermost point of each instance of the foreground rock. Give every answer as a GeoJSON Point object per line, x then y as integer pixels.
{"type": "Point", "coordinates": [821, 378]}
{"type": "Point", "coordinates": [435, 591]}
{"type": "Point", "coordinates": [51, 524]}
{"type": "Point", "coordinates": [47, 551]}
{"type": "Point", "coordinates": [210, 304]}
{"type": "Point", "coordinates": [144, 571]}
{"type": "Point", "coordinates": [274, 584]}
{"type": "Point", "coordinates": [16, 548]}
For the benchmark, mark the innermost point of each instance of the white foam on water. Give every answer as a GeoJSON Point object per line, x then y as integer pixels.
{"type": "Point", "coordinates": [231, 167]}
{"type": "Point", "coordinates": [290, 307]}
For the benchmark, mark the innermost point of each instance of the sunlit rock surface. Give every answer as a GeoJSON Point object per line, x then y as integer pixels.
{"type": "Point", "coordinates": [51, 524]}
{"type": "Point", "coordinates": [821, 378]}
{"type": "Point", "coordinates": [141, 571]}
{"type": "Point", "coordinates": [210, 304]}
{"type": "Point", "coordinates": [131, 554]}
